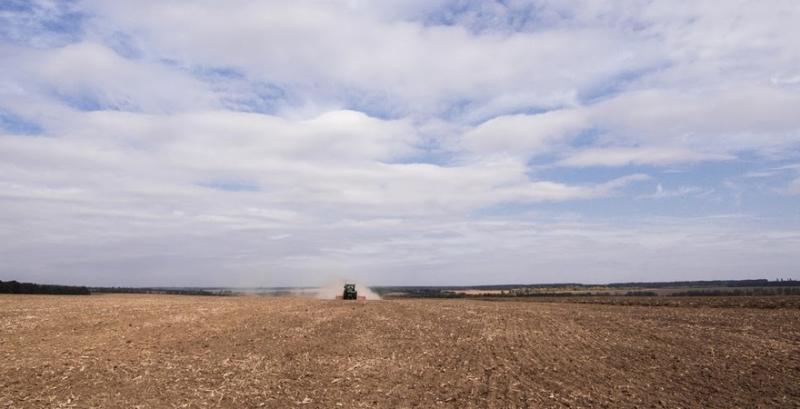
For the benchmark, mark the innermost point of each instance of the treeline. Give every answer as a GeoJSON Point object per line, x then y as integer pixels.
{"type": "Point", "coordinates": [439, 293]}
{"type": "Point", "coordinates": [576, 294]}
{"type": "Point", "coordinates": [709, 283]}
{"type": "Point", "coordinates": [420, 292]}
{"type": "Point", "coordinates": [14, 287]}
{"type": "Point", "coordinates": [430, 290]}
{"type": "Point", "coordinates": [739, 292]}
{"type": "Point", "coordinates": [168, 291]}
{"type": "Point", "coordinates": [641, 294]}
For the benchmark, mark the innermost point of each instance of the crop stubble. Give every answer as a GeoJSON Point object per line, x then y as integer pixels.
{"type": "Point", "coordinates": [172, 351]}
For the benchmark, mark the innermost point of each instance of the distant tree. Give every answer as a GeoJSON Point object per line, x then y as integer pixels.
{"type": "Point", "coordinates": [14, 287]}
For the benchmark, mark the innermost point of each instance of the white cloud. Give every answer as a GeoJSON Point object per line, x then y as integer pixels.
{"type": "Point", "coordinates": [681, 191]}
{"type": "Point", "coordinates": [745, 118]}
{"type": "Point", "coordinates": [340, 160]}
{"type": "Point", "coordinates": [271, 142]}
{"type": "Point", "coordinates": [401, 65]}
{"type": "Point", "coordinates": [524, 134]}
{"type": "Point", "coordinates": [654, 127]}
{"type": "Point", "coordinates": [636, 156]}
{"type": "Point", "coordinates": [93, 75]}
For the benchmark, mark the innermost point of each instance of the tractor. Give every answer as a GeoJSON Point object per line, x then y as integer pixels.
{"type": "Point", "coordinates": [350, 293]}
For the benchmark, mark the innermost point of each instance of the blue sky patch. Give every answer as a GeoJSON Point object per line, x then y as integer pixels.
{"type": "Point", "coordinates": [29, 23]}
{"type": "Point", "coordinates": [17, 125]}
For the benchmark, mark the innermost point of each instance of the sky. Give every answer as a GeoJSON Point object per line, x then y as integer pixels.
{"type": "Point", "coordinates": [261, 143]}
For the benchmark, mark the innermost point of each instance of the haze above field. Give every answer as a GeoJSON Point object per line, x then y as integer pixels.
{"type": "Point", "coordinates": [145, 143]}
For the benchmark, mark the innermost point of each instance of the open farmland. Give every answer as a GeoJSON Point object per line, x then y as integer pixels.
{"type": "Point", "coordinates": [152, 351]}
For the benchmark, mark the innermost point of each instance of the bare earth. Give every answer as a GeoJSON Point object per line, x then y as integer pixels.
{"type": "Point", "coordinates": [135, 351]}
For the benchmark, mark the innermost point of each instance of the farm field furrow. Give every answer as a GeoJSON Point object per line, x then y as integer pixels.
{"type": "Point", "coordinates": [109, 351]}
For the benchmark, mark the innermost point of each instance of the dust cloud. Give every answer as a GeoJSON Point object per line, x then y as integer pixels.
{"type": "Point", "coordinates": [330, 291]}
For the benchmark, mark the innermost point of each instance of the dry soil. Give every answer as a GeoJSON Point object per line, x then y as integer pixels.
{"type": "Point", "coordinates": [135, 351]}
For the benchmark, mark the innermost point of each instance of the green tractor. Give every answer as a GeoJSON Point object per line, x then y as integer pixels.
{"type": "Point", "coordinates": [350, 293]}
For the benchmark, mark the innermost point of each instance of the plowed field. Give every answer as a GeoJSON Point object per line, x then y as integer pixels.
{"type": "Point", "coordinates": [133, 351]}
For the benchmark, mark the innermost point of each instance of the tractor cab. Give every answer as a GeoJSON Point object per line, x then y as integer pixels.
{"type": "Point", "coordinates": [350, 292]}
